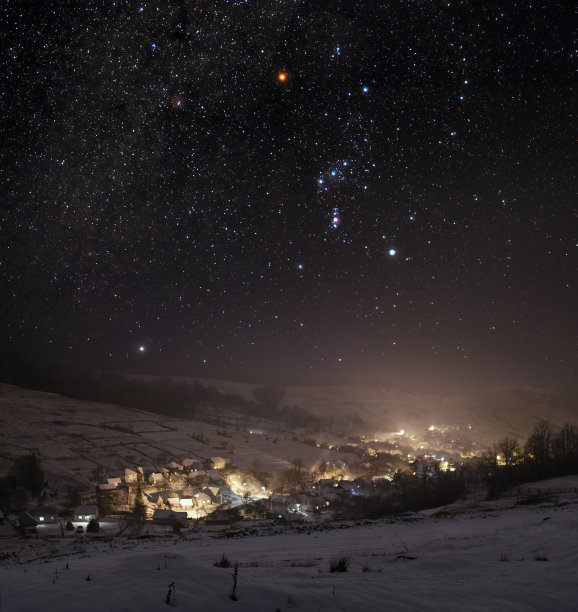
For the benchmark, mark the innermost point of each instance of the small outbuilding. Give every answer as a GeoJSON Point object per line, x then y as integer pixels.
{"type": "Point", "coordinates": [85, 513]}
{"type": "Point", "coordinates": [218, 463]}
{"type": "Point", "coordinates": [169, 517]}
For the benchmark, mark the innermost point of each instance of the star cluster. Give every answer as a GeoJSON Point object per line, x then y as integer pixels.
{"type": "Point", "coordinates": [291, 189]}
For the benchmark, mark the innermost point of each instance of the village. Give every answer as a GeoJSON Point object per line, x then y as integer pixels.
{"type": "Point", "coordinates": [204, 494]}
{"type": "Point", "coordinates": [212, 492]}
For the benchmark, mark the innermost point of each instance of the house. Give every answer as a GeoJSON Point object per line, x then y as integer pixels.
{"type": "Point", "coordinates": [174, 467]}
{"type": "Point", "coordinates": [187, 491]}
{"type": "Point", "coordinates": [218, 519]}
{"type": "Point", "coordinates": [213, 493]}
{"type": "Point", "coordinates": [169, 517]}
{"type": "Point", "coordinates": [203, 499]}
{"type": "Point", "coordinates": [27, 523]}
{"type": "Point", "coordinates": [130, 476]}
{"type": "Point", "coordinates": [186, 503]}
{"type": "Point", "coordinates": [174, 500]}
{"type": "Point", "coordinates": [327, 482]}
{"type": "Point", "coordinates": [44, 514]}
{"type": "Point", "coordinates": [192, 465]}
{"type": "Point", "coordinates": [115, 482]}
{"type": "Point", "coordinates": [85, 513]}
{"type": "Point", "coordinates": [106, 496]}
{"type": "Point", "coordinates": [105, 486]}
{"type": "Point", "coordinates": [156, 478]}
{"type": "Point", "coordinates": [314, 503]}
{"type": "Point", "coordinates": [110, 496]}
{"type": "Point", "coordinates": [160, 498]}
{"type": "Point", "coordinates": [177, 503]}
{"type": "Point", "coordinates": [218, 463]}
{"type": "Point", "coordinates": [348, 485]}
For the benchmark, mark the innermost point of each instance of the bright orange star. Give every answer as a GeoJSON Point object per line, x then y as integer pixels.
{"type": "Point", "coordinates": [282, 76]}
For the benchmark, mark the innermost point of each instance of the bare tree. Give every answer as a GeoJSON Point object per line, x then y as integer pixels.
{"type": "Point", "coordinates": [539, 446]}
{"type": "Point", "coordinates": [509, 450]}
{"type": "Point", "coordinates": [565, 448]}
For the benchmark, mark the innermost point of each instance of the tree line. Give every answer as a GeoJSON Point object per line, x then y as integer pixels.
{"type": "Point", "coordinates": [547, 453]}
{"type": "Point", "coordinates": [163, 395]}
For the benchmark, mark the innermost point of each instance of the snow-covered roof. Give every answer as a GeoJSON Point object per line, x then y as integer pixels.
{"type": "Point", "coordinates": [212, 491]}
{"type": "Point", "coordinates": [190, 461]}
{"type": "Point", "coordinates": [88, 509]}
{"type": "Point", "coordinates": [43, 511]}
{"type": "Point", "coordinates": [106, 486]}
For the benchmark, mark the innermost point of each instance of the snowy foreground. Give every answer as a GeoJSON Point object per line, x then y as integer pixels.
{"type": "Point", "coordinates": [523, 558]}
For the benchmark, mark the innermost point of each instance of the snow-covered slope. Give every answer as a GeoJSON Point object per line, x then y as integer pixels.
{"type": "Point", "coordinates": [88, 440]}
{"type": "Point", "coordinates": [516, 559]}
{"type": "Point", "coordinates": [85, 441]}
{"type": "Point", "coordinates": [493, 412]}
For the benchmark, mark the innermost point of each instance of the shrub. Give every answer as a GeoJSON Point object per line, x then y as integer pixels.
{"type": "Point", "coordinates": [339, 565]}
{"type": "Point", "coordinates": [92, 526]}
{"type": "Point", "coordinates": [223, 561]}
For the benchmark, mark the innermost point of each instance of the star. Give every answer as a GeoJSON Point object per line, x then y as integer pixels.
{"type": "Point", "coordinates": [172, 164]}
{"type": "Point", "coordinates": [178, 102]}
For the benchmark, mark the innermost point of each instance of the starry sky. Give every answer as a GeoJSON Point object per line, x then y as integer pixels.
{"type": "Point", "coordinates": [295, 190]}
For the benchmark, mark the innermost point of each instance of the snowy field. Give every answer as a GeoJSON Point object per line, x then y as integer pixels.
{"type": "Point", "coordinates": [522, 558]}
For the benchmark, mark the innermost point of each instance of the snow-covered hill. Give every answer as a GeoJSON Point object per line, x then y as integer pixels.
{"type": "Point", "coordinates": [522, 558]}
{"type": "Point", "coordinates": [85, 441]}
{"type": "Point", "coordinates": [494, 412]}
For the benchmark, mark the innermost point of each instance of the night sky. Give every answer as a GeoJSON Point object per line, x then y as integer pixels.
{"type": "Point", "coordinates": [302, 191]}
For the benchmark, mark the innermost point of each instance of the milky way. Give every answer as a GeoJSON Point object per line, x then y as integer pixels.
{"type": "Point", "coordinates": [304, 190]}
